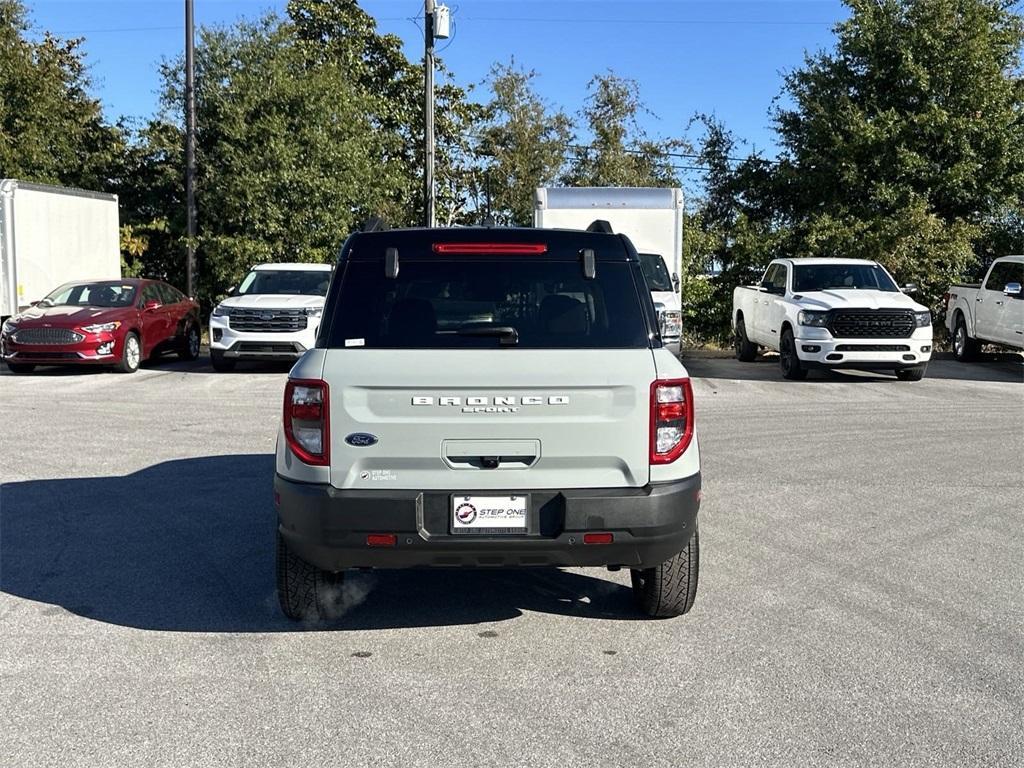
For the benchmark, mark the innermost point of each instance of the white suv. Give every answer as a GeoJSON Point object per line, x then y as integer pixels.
{"type": "Point", "coordinates": [273, 314]}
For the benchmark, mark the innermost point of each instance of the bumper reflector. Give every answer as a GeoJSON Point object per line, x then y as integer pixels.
{"type": "Point", "coordinates": [381, 539]}
{"type": "Point", "coordinates": [598, 538]}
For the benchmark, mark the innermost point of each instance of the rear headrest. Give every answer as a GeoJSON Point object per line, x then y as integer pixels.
{"type": "Point", "coordinates": [563, 315]}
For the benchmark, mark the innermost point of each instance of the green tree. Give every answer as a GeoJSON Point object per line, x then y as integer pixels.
{"type": "Point", "coordinates": [906, 142]}
{"type": "Point", "coordinates": [289, 161]}
{"type": "Point", "coordinates": [523, 142]}
{"type": "Point", "coordinates": [620, 152]}
{"type": "Point", "coordinates": [51, 129]}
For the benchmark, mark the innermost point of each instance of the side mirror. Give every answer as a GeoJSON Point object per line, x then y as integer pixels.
{"type": "Point", "coordinates": [151, 305]}
{"type": "Point", "coordinates": [675, 281]}
{"type": "Point", "coordinates": [232, 291]}
{"type": "Point", "coordinates": [910, 288]}
{"type": "Point", "coordinates": [1012, 289]}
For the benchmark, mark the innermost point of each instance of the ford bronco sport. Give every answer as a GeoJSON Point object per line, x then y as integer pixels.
{"type": "Point", "coordinates": [488, 397]}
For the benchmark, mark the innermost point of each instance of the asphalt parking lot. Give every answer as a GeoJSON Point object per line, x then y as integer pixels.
{"type": "Point", "coordinates": [861, 598]}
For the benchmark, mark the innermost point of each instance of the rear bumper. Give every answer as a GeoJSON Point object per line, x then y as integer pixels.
{"type": "Point", "coordinates": [328, 527]}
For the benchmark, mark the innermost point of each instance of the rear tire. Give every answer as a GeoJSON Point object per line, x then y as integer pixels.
{"type": "Point", "coordinates": [746, 351]}
{"type": "Point", "coordinates": [221, 363]}
{"type": "Point", "coordinates": [911, 374]}
{"type": "Point", "coordinates": [21, 367]}
{"type": "Point", "coordinates": [305, 592]}
{"type": "Point", "coordinates": [789, 361]}
{"type": "Point", "coordinates": [188, 346]}
{"type": "Point", "coordinates": [965, 348]}
{"type": "Point", "coordinates": [131, 354]}
{"type": "Point", "coordinates": [669, 589]}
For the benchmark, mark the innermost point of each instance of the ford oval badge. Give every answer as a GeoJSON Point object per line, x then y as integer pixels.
{"type": "Point", "coordinates": [361, 439]}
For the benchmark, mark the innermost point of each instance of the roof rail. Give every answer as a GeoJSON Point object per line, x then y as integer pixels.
{"type": "Point", "coordinates": [374, 224]}
{"type": "Point", "coordinates": [600, 226]}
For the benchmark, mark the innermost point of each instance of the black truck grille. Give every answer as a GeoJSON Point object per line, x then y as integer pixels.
{"type": "Point", "coordinates": [268, 320]}
{"type": "Point", "coordinates": [872, 348]}
{"type": "Point", "coordinates": [47, 336]}
{"type": "Point", "coordinates": [868, 324]}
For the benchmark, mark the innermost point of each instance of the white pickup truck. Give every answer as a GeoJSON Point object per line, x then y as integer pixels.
{"type": "Point", "coordinates": [990, 312]}
{"type": "Point", "coordinates": [833, 313]}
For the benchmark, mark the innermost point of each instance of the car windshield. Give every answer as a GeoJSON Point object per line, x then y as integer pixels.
{"type": "Point", "coordinates": [301, 282]}
{"type": "Point", "coordinates": [108, 293]}
{"type": "Point", "coordinates": [656, 272]}
{"type": "Point", "coordinates": [841, 277]}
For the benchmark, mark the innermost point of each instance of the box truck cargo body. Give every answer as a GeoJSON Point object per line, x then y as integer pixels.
{"type": "Point", "coordinates": [53, 235]}
{"type": "Point", "coordinates": [652, 218]}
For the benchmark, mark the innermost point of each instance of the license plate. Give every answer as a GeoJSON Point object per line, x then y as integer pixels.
{"type": "Point", "coordinates": [489, 514]}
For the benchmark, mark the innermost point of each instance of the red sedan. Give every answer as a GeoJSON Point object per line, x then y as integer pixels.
{"type": "Point", "coordinates": [118, 323]}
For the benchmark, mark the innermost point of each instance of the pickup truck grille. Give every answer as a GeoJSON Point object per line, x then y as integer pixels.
{"type": "Point", "coordinates": [872, 324]}
{"type": "Point", "coordinates": [268, 320]}
{"type": "Point", "coordinates": [47, 336]}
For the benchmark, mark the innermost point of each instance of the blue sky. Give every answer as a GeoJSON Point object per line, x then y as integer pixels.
{"type": "Point", "coordinates": [724, 57]}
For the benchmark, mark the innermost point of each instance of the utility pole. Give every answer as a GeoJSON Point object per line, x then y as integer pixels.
{"type": "Point", "coordinates": [428, 114]}
{"type": "Point", "coordinates": [190, 147]}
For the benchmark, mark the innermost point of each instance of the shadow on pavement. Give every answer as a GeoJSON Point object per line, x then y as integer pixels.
{"type": "Point", "coordinates": [1004, 367]}
{"type": "Point", "coordinates": [188, 546]}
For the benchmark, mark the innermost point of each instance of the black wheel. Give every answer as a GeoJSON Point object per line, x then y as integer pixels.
{"type": "Point", "coordinates": [964, 347]}
{"type": "Point", "coordinates": [911, 374]}
{"type": "Point", "coordinates": [188, 346]}
{"type": "Point", "coordinates": [131, 354]}
{"type": "Point", "coordinates": [669, 589]}
{"type": "Point", "coordinates": [221, 363]}
{"type": "Point", "coordinates": [305, 592]}
{"type": "Point", "coordinates": [746, 351]}
{"type": "Point", "coordinates": [20, 367]}
{"type": "Point", "coordinates": [788, 360]}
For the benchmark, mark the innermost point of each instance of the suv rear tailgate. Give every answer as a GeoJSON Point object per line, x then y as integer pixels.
{"type": "Point", "coordinates": [443, 418]}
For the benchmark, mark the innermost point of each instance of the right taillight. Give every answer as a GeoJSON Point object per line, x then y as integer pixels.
{"type": "Point", "coordinates": [306, 422]}
{"type": "Point", "coordinates": [671, 419]}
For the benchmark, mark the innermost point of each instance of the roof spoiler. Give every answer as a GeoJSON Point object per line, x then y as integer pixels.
{"type": "Point", "coordinates": [600, 226]}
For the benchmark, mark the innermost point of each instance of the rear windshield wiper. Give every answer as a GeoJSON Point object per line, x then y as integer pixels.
{"type": "Point", "coordinates": [506, 333]}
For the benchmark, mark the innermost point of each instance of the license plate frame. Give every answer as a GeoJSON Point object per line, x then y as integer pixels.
{"type": "Point", "coordinates": [471, 514]}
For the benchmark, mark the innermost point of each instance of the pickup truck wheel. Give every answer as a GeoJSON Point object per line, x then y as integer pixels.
{"type": "Point", "coordinates": [746, 351]}
{"type": "Point", "coordinates": [20, 367]}
{"type": "Point", "coordinates": [131, 354]}
{"type": "Point", "coordinates": [964, 347]}
{"type": "Point", "coordinates": [788, 359]}
{"type": "Point", "coordinates": [188, 346]}
{"type": "Point", "coordinates": [669, 589]}
{"type": "Point", "coordinates": [305, 592]}
{"type": "Point", "coordinates": [221, 363]}
{"type": "Point", "coordinates": [911, 374]}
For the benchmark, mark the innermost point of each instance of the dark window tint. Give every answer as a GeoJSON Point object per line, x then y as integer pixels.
{"type": "Point", "coordinates": [167, 294]}
{"type": "Point", "coordinates": [151, 293]}
{"type": "Point", "coordinates": [466, 303]}
{"type": "Point", "coordinates": [839, 277]}
{"type": "Point", "coordinates": [286, 281]}
{"type": "Point", "coordinates": [775, 278]}
{"type": "Point", "coordinates": [658, 278]}
{"type": "Point", "coordinates": [1003, 273]}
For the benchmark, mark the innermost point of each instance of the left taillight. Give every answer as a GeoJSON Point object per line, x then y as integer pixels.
{"type": "Point", "coordinates": [307, 420]}
{"type": "Point", "coordinates": [671, 419]}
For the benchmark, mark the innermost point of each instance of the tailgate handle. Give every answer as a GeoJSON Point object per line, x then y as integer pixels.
{"type": "Point", "coordinates": [491, 462]}
{"type": "Point", "coordinates": [490, 454]}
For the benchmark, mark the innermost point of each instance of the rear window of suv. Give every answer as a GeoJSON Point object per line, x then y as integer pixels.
{"type": "Point", "coordinates": [465, 302]}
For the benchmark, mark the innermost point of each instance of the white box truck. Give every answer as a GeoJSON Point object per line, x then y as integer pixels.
{"type": "Point", "coordinates": [651, 217]}
{"type": "Point", "coordinates": [53, 235]}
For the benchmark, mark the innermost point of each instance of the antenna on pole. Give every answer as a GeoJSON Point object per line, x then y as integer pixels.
{"type": "Point", "coordinates": [190, 148]}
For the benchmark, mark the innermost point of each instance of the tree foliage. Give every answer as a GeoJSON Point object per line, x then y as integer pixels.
{"type": "Point", "coordinates": [51, 129]}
